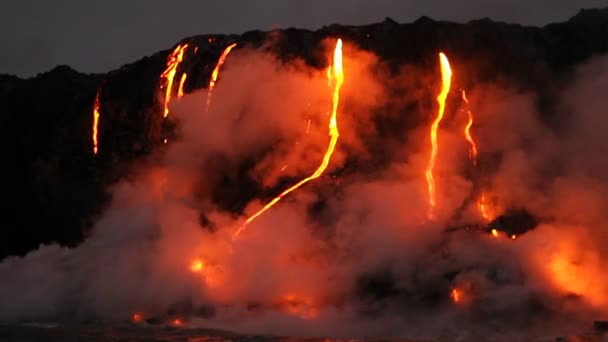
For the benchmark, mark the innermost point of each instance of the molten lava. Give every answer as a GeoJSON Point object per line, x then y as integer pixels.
{"type": "Point", "coordinates": [446, 80]}
{"type": "Point", "coordinates": [467, 131]}
{"type": "Point", "coordinates": [180, 90]}
{"type": "Point", "coordinates": [96, 106]}
{"type": "Point", "coordinates": [335, 74]}
{"type": "Point", "coordinates": [137, 318]}
{"type": "Point", "coordinates": [167, 77]}
{"type": "Point", "coordinates": [197, 265]}
{"type": "Point", "coordinates": [216, 71]}
{"type": "Point", "coordinates": [456, 295]}
{"type": "Point", "coordinates": [483, 208]}
{"type": "Point", "coordinates": [494, 233]}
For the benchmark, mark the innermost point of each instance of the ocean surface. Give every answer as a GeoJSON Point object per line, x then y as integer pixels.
{"type": "Point", "coordinates": [144, 333]}
{"type": "Point", "coordinates": [135, 333]}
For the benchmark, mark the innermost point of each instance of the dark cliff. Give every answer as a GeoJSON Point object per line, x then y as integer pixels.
{"type": "Point", "coordinates": [53, 186]}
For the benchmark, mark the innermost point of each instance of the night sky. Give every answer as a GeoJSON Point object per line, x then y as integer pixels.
{"type": "Point", "coordinates": [97, 36]}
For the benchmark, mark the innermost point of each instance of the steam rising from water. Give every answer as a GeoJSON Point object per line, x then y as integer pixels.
{"type": "Point", "coordinates": [353, 254]}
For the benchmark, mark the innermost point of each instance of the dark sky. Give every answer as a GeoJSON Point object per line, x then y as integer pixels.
{"type": "Point", "coordinates": [97, 36]}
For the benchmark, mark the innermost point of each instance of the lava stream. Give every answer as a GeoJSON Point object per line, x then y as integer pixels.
{"type": "Point", "coordinates": [467, 131]}
{"type": "Point", "coordinates": [167, 77]}
{"type": "Point", "coordinates": [216, 72]}
{"type": "Point", "coordinates": [446, 79]}
{"type": "Point", "coordinates": [180, 90]}
{"type": "Point", "coordinates": [335, 74]}
{"type": "Point", "coordinates": [96, 106]}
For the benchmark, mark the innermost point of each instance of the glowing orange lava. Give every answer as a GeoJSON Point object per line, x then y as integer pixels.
{"type": "Point", "coordinates": [336, 74]}
{"type": "Point", "coordinates": [446, 80]}
{"type": "Point", "coordinates": [197, 265]}
{"type": "Point", "coordinates": [494, 233]}
{"type": "Point", "coordinates": [177, 322]}
{"type": "Point", "coordinates": [180, 90]}
{"type": "Point", "coordinates": [456, 295]}
{"type": "Point", "coordinates": [484, 208]}
{"type": "Point", "coordinates": [137, 318]}
{"type": "Point", "coordinates": [176, 57]}
{"type": "Point", "coordinates": [467, 131]}
{"type": "Point", "coordinates": [216, 71]}
{"type": "Point", "coordinates": [96, 106]}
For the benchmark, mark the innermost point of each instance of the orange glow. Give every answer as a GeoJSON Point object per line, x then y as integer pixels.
{"type": "Point", "coordinates": [513, 237]}
{"type": "Point", "coordinates": [446, 80]}
{"type": "Point", "coordinates": [96, 106]}
{"type": "Point", "coordinates": [300, 307]}
{"type": "Point", "coordinates": [180, 90]}
{"type": "Point", "coordinates": [456, 295]}
{"type": "Point", "coordinates": [467, 131]}
{"type": "Point", "coordinates": [216, 71]}
{"type": "Point", "coordinates": [177, 322]}
{"type": "Point", "coordinates": [574, 269]}
{"type": "Point", "coordinates": [494, 233]}
{"type": "Point", "coordinates": [167, 77]}
{"type": "Point", "coordinates": [484, 208]}
{"type": "Point", "coordinates": [197, 265]}
{"type": "Point", "coordinates": [137, 318]}
{"type": "Point", "coordinates": [337, 76]}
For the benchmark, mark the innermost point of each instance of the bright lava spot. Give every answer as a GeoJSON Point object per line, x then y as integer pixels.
{"type": "Point", "coordinates": [456, 295]}
{"type": "Point", "coordinates": [337, 76]}
{"type": "Point", "coordinates": [494, 233]}
{"type": "Point", "coordinates": [197, 265]}
{"type": "Point", "coordinates": [177, 322]}
{"type": "Point", "coordinates": [167, 77]}
{"type": "Point", "coordinates": [137, 317]}
{"type": "Point", "coordinates": [446, 80]}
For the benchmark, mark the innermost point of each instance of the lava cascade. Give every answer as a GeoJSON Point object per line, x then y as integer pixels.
{"type": "Point", "coordinates": [336, 76]}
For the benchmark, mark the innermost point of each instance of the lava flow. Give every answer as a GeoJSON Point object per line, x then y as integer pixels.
{"type": "Point", "coordinates": [180, 90]}
{"type": "Point", "coordinates": [456, 295]}
{"type": "Point", "coordinates": [467, 131]}
{"type": "Point", "coordinates": [216, 71]}
{"type": "Point", "coordinates": [168, 75]}
{"type": "Point", "coordinates": [482, 203]}
{"type": "Point", "coordinates": [96, 106]}
{"type": "Point", "coordinates": [335, 74]}
{"type": "Point", "coordinates": [446, 79]}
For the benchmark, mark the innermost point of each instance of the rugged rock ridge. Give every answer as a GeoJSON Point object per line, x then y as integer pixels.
{"type": "Point", "coordinates": [53, 186]}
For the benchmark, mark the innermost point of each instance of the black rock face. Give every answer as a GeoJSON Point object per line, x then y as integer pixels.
{"type": "Point", "coordinates": [53, 185]}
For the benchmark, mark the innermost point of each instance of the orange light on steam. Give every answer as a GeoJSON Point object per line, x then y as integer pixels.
{"type": "Point", "coordinates": [180, 90]}
{"type": "Point", "coordinates": [336, 75]}
{"type": "Point", "coordinates": [446, 80]}
{"type": "Point", "coordinates": [216, 71]}
{"type": "Point", "coordinates": [300, 307]}
{"type": "Point", "coordinates": [177, 322]}
{"type": "Point", "coordinates": [96, 115]}
{"type": "Point", "coordinates": [167, 77]}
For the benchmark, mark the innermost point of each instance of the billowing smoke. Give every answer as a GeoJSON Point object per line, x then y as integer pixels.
{"type": "Point", "coordinates": [354, 252]}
